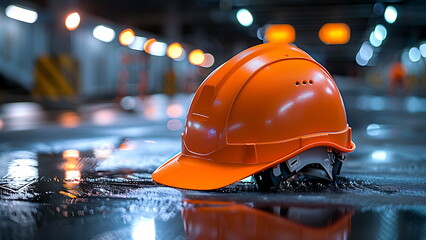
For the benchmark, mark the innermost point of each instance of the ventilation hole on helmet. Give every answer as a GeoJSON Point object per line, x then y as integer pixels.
{"type": "Point", "coordinates": [304, 82]}
{"type": "Point", "coordinates": [297, 83]}
{"type": "Point", "coordinates": [311, 82]}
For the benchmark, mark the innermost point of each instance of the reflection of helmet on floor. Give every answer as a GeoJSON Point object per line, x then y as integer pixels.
{"type": "Point", "coordinates": [266, 106]}
{"type": "Point", "coordinates": [237, 221]}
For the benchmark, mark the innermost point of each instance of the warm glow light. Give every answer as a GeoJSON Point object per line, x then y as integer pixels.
{"type": "Point", "coordinates": [104, 117]}
{"type": "Point", "coordinates": [158, 49]}
{"type": "Point", "coordinates": [72, 21]}
{"type": "Point", "coordinates": [21, 14]}
{"type": "Point", "coordinates": [175, 51]}
{"type": "Point", "coordinates": [335, 33]}
{"type": "Point", "coordinates": [244, 17]}
{"type": "Point", "coordinates": [103, 33]}
{"type": "Point", "coordinates": [73, 175]}
{"type": "Point", "coordinates": [391, 14]}
{"type": "Point", "coordinates": [209, 60]}
{"type": "Point", "coordinates": [127, 37]}
{"type": "Point", "coordinates": [147, 44]}
{"type": "Point", "coordinates": [69, 119]}
{"type": "Point", "coordinates": [138, 43]}
{"type": "Point", "coordinates": [71, 153]}
{"type": "Point", "coordinates": [174, 110]}
{"type": "Point", "coordinates": [280, 33]}
{"type": "Point", "coordinates": [196, 57]}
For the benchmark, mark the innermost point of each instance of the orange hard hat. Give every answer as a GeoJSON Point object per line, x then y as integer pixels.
{"type": "Point", "coordinates": [263, 107]}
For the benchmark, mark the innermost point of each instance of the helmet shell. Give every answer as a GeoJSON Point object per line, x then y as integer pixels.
{"type": "Point", "coordinates": [262, 107]}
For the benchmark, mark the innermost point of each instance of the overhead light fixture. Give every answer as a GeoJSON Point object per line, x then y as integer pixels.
{"type": "Point", "coordinates": [360, 60]}
{"type": "Point", "coordinates": [244, 17]}
{"type": "Point", "coordinates": [391, 14]}
{"type": "Point", "coordinates": [72, 21]}
{"type": "Point", "coordinates": [127, 37]}
{"type": "Point", "coordinates": [147, 44]}
{"type": "Point", "coordinates": [174, 51]}
{"type": "Point", "coordinates": [374, 41]}
{"type": "Point", "coordinates": [280, 33]}
{"type": "Point", "coordinates": [104, 33]}
{"type": "Point", "coordinates": [380, 32]}
{"type": "Point", "coordinates": [422, 49]}
{"type": "Point", "coordinates": [414, 54]}
{"type": "Point", "coordinates": [366, 51]}
{"type": "Point", "coordinates": [196, 57]}
{"type": "Point", "coordinates": [21, 14]}
{"type": "Point", "coordinates": [138, 43]}
{"type": "Point", "coordinates": [158, 49]}
{"type": "Point", "coordinates": [335, 33]}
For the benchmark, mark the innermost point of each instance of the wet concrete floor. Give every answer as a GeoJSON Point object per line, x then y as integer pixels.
{"type": "Point", "coordinates": [86, 174]}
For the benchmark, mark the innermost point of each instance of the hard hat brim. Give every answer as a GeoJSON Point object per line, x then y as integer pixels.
{"type": "Point", "coordinates": [195, 173]}
{"type": "Point", "coordinates": [199, 174]}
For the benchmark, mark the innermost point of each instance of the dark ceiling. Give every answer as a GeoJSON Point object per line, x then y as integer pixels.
{"type": "Point", "coordinates": [212, 25]}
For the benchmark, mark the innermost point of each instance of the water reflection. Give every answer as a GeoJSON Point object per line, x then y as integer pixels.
{"type": "Point", "coordinates": [237, 221]}
{"type": "Point", "coordinates": [22, 171]}
{"type": "Point", "coordinates": [72, 173]}
{"type": "Point", "coordinates": [144, 229]}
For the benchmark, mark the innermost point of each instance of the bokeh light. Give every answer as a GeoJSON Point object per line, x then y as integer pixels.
{"type": "Point", "coordinates": [127, 37]}
{"type": "Point", "coordinates": [374, 41]}
{"type": "Point", "coordinates": [157, 48]}
{"type": "Point", "coordinates": [72, 21]}
{"type": "Point", "coordinates": [391, 14]}
{"type": "Point", "coordinates": [69, 119]}
{"type": "Point", "coordinates": [138, 43]}
{"type": "Point", "coordinates": [366, 51]}
{"type": "Point", "coordinates": [174, 110]}
{"type": "Point", "coordinates": [147, 44]}
{"type": "Point", "coordinates": [196, 57]}
{"type": "Point", "coordinates": [244, 17]}
{"type": "Point", "coordinates": [422, 49]}
{"type": "Point", "coordinates": [209, 60]}
{"type": "Point", "coordinates": [414, 54]}
{"type": "Point", "coordinates": [174, 124]}
{"type": "Point", "coordinates": [104, 33]}
{"type": "Point", "coordinates": [380, 32]}
{"type": "Point", "coordinates": [335, 33]}
{"type": "Point", "coordinates": [360, 60]}
{"type": "Point", "coordinates": [174, 51]}
{"type": "Point", "coordinates": [21, 14]}
{"type": "Point", "coordinates": [280, 33]}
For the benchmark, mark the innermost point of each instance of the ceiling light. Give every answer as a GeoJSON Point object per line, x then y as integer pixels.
{"type": "Point", "coordinates": [244, 17]}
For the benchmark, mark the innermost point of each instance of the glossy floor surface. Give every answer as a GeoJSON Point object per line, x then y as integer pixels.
{"type": "Point", "coordinates": [85, 174]}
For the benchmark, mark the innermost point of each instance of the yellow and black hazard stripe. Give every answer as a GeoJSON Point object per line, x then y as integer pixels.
{"type": "Point", "coordinates": [56, 78]}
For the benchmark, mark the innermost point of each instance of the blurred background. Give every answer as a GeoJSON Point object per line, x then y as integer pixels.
{"type": "Point", "coordinates": [71, 51]}
{"type": "Point", "coordinates": [94, 95]}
